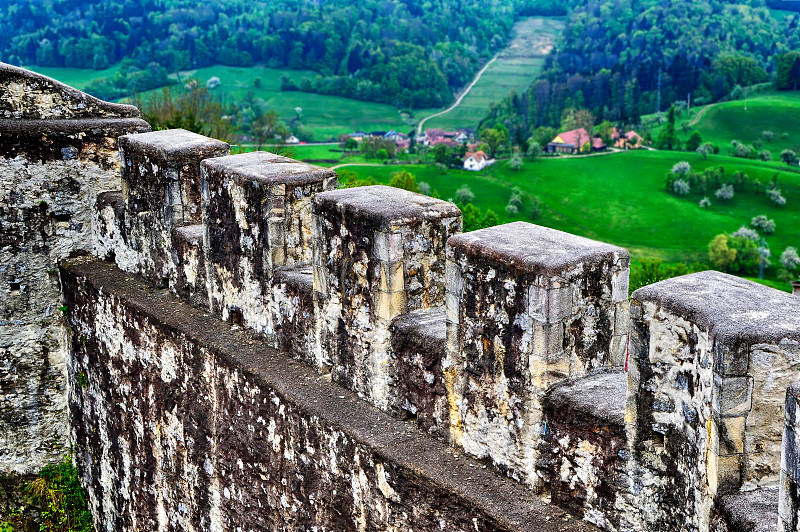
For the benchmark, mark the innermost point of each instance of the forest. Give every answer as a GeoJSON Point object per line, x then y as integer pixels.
{"type": "Point", "coordinates": [401, 52]}
{"type": "Point", "coordinates": [620, 59]}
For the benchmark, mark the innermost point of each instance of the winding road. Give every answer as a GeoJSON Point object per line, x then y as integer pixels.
{"type": "Point", "coordinates": [460, 97]}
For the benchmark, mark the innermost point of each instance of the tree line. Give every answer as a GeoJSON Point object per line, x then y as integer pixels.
{"type": "Point", "coordinates": [621, 59]}
{"type": "Point", "coordinates": [402, 52]}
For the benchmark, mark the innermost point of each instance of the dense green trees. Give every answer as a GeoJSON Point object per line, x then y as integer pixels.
{"type": "Point", "coordinates": [614, 55]}
{"type": "Point", "coordinates": [403, 52]}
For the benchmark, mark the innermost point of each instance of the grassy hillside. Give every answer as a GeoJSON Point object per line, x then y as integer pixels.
{"type": "Point", "coordinates": [515, 69]}
{"type": "Point", "coordinates": [745, 120]}
{"type": "Point", "coordinates": [80, 78]}
{"type": "Point", "coordinates": [621, 199]}
{"type": "Point", "coordinates": [328, 116]}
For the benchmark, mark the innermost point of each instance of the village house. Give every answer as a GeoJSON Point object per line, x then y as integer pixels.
{"type": "Point", "coordinates": [629, 140]}
{"type": "Point", "coordinates": [476, 161]}
{"type": "Point", "coordinates": [571, 142]}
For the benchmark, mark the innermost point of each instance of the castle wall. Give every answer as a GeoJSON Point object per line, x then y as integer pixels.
{"type": "Point", "coordinates": [182, 423]}
{"type": "Point", "coordinates": [710, 358]}
{"type": "Point", "coordinates": [527, 307]}
{"type": "Point", "coordinates": [58, 151]}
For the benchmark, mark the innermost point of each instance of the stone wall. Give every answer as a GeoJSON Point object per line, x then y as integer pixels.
{"type": "Point", "coordinates": [190, 407]}
{"type": "Point", "coordinates": [710, 357]}
{"type": "Point", "coordinates": [182, 423]}
{"type": "Point", "coordinates": [58, 152]}
{"type": "Point", "coordinates": [527, 307]}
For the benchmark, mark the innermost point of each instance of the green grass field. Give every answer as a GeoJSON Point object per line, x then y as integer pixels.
{"type": "Point", "coordinates": [621, 199]}
{"type": "Point", "coordinates": [328, 116]}
{"type": "Point", "coordinates": [515, 69]}
{"type": "Point", "coordinates": [80, 78]}
{"type": "Point", "coordinates": [767, 110]}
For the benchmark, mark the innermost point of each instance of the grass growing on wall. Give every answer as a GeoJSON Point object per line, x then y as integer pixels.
{"type": "Point", "coordinates": [58, 495]}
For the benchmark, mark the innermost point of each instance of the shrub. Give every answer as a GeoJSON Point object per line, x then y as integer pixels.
{"type": "Point", "coordinates": [789, 258]}
{"type": "Point", "coordinates": [681, 169]}
{"type": "Point", "coordinates": [725, 192]}
{"type": "Point", "coordinates": [765, 155]}
{"type": "Point", "coordinates": [464, 194]}
{"type": "Point", "coordinates": [515, 163]}
{"type": "Point", "coordinates": [424, 188]}
{"type": "Point", "coordinates": [536, 209]}
{"type": "Point", "coordinates": [405, 180]}
{"type": "Point", "coordinates": [705, 203]}
{"type": "Point", "coordinates": [763, 223]}
{"type": "Point", "coordinates": [745, 232]}
{"type": "Point", "coordinates": [511, 209]}
{"type": "Point", "coordinates": [681, 187]}
{"type": "Point", "coordinates": [768, 135]}
{"type": "Point", "coordinates": [776, 197]}
{"type": "Point", "coordinates": [734, 254]}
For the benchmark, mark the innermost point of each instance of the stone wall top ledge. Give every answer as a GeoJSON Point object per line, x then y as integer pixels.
{"type": "Point", "coordinates": [28, 95]}
{"type": "Point", "coordinates": [385, 206]}
{"type": "Point", "coordinates": [536, 249]}
{"type": "Point", "coordinates": [172, 144]}
{"type": "Point", "coordinates": [267, 168]}
{"type": "Point", "coordinates": [729, 306]}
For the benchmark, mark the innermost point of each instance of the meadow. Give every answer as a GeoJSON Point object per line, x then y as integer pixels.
{"type": "Point", "coordinates": [745, 120]}
{"type": "Point", "coordinates": [515, 69]}
{"type": "Point", "coordinates": [621, 198]}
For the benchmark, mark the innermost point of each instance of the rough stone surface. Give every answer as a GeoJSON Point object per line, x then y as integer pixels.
{"type": "Point", "coordinates": [584, 448]}
{"type": "Point", "coordinates": [379, 252]}
{"type": "Point", "coordinates": [257, 209]}
{"type": "Point", "coordinates": [710, 358]}
{"type": "Point", "coordinates": [292, 305]}
{"type": "Point", "coordinates": [58, 151]}
{"type": "Point", "coordinates": [751, 511]}
{"type": "Point", "coordinates": [187, 424]}
{"type": "Point", "coordinates": [27, 95]}
{"type": "Point", "coordinates": [789, 497]}
{"type": "Point", "coordinates": [161, 190]}
{"type": "Point", "coordinates": [527, 307]}
{"type": "Point", "coordinates": [418, 345]}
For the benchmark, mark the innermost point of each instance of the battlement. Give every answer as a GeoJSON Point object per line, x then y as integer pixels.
{"type": "Point", "coordinates": [278, 353]}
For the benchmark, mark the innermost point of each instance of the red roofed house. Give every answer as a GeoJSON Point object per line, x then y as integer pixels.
{"type": "Point", "coordinates": [571, 142]}
{"type": "Point", "coordinates": [476, 161]}
{"type": "Point", "coordinates": [631, 139]}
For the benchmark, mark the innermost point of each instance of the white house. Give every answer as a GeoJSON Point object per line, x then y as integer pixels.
{"type": "Point", "coordinates": [476, 161]}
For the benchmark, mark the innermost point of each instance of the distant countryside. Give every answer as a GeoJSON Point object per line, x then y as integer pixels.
{"type": "Point", "coordinates": [668, 128]}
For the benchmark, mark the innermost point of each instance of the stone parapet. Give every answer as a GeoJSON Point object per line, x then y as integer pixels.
{"type": "Point", "coordinates": [182, 423]}
{"type": "Point", "coordinates": [710, 357]}
{"type": "Point", "coordinates": [257, 212]}
{"type": "Point", "coordinates": [58, 153]}
{"type": "Point", "coordinates": [584, 451]}
{"type": "Point", "coordinates": [527, 307]}
{"type": "Point", "coordinates": [379, 252]}
{"type": "Point", "coordinates": [161, 189]}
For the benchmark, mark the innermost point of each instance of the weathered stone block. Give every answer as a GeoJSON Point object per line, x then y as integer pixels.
{"type": "Point", "coordinates": [789, 495]}
{"type": "Point", "coordinates": [161, 187]}
{"type": "Point", "coordinates": [750, 511]}
{"type": "Point", "coordinates": [418, 343]}
{"type": "Point", "coordinates": [58, 153]}
{"type": "Point", "coordinates": [531, 306]}
{"type": "Point", "coordinates": [584, 444]}
{"type": "Point", "coordinates": [718, 348]}
{"type": "Point", "coordinates": [190, 264]}
{"type": "Point", "coordinates": [257, 211]}
{"type": "Point", "coordinates": [379, 252]}
{"type": "Point", "coordinates": [292, 304]}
